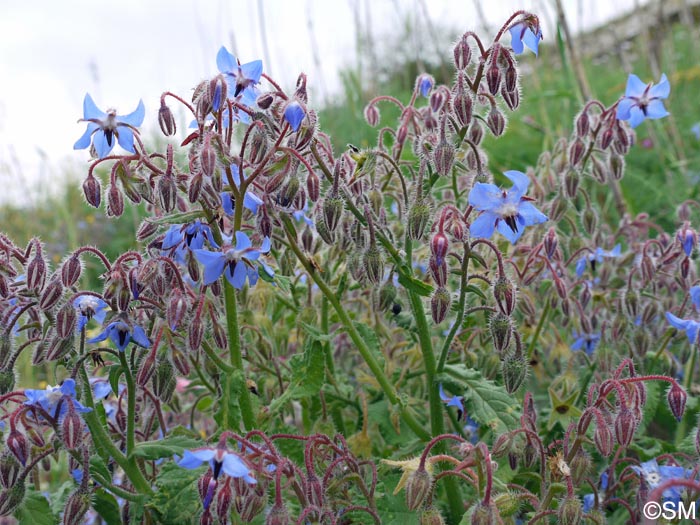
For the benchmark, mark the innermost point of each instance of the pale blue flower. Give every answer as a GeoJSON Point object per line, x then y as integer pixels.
{"type": "Point", "coordinates": [236, 263]}
{"type": "Point", "coordinates": [51, 396]}
{"type": "Point", "coordinates": [219, 460]}
{"type": "Point", "coordinates": [689, 326]}
{"type": "Point", "coordinates": [238, 77]}
{"type": "Point", "coordinates": [596, 258]}
{"type": "Point", "coordinates": [586, 342]}
{"type": "Point", "coordinates": [89, 307]}
{"type": "Point", "coordinates": [122, 334]}
{"type": "Point", "coordinates": [522, 33]}
{"type": "Point", "coordinates": [250, 200]}
{"type": "Point", "coordinates": [294, 114]}
{"type": "Point", "coordinates": [643, 100]}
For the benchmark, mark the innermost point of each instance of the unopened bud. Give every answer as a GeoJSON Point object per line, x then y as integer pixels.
{"type": "Point", "coordinates": [70, 271]}
{"type": "Point", "coordinates": [484, 514]}
{"type": "Point", "coordinates": [576, 152]}
{"type": "Point", "coordinates": [177, 308]}
{"type": "Point", "coordinates": [372, 115]}
{"type": "Point", "coordinates": [558, 208]}
{"type": "Point", "coordinates": [418, 218]}
{"type": "Point", "coordinates": [65, 320]}
{"type": "Point", "coordinates": [625, 426]}
{"type": "Point", "coordinates": [501, 329]}
{"type": "Point", "coordinates": [207, 159]}
{"type": "Point", "coordinates": [72, 428]}
{"type": "Point", "coordinates": [617, 167]}
{"type": "Point", "coordinates": [676, 400]}
{"type": "Point", "coordinates": [551, 242]}
{"type": "Point", "coordinates": [511, 78]}
{"type": "Point", "coordinates": [606, 138]}
{"type": "Point", "coordinates": [431, 516]}
{"type": "Point", "coordinates": [475, 133]}
{"type": "Point", "coordinates": [373, 264]}
{"type": "Point", "coordinates": [583, 124]}
{"type": "Point", "coordinates": [333, 207]}
{"type": "Point", "coordinates": [463, 107]}
{"type": "Point", "coordinates": [11, 498]}
{"type": "Point", "coordinates": [76, 507]}
{"type": "Point", "coordinates": [570, 511]}
{"type": "Point", "coordinates": [514, 369]}
{"type": "Point", "coordinates": [167, 192]}
{"type": "Point", "coordinates": [438, 271]}
{"type": "Point", "coordinates": [511, 98]}
{"type": "Point", "coordinates": [493, 78]}
{"type": "Point", "coordinates": [443, 158]}
{"type": "Point", "coordinates": [603, 437]}
{"type": "Point", "coordinates": [313, 186]}
{"type": "Point", "coordinates": [439, 246]}
{"type": "Point", "coordinates": [18, 445]}
{"type": "Point", "coordinates": [589, 221]}
{"type": "Point", "coordinates": [265, 100]}
{"type": "Point", "coordinates": [418, 486]}
{"type": "Point", "coordinates": [496, 122]}
{"type": "Point", "coordinates": [440, 304]}
{"type": "Point", "coordinates": [36, 270]}
{"type": "Point", "coordinates": [51, 294]}
{"type": "Point", "coordinates": [10, 469]}
{"type": "Point", "coordinates": [572, 180]}
{"type": "Point", "coordinates": [599, 171]}
{"type": "Point", "coordinates": [462, 53]}
{"type": "Point", "coordinates": [164, 381]}
{"type": "Point", "coordinates": [504, 292]}
{"type": "Point", "coordinates": [92, 191]}
{"type": "Point", "coordinates": [166, 120]}
{"type": "Point", "coordinates": [223, 500]}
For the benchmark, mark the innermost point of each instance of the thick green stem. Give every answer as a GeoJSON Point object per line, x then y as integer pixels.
{"type": "Point", "coordinates": [131, 405]}
{"type": "Point", "coordinates": [538, 330]}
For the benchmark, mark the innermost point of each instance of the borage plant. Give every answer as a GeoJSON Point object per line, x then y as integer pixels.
{"type": "Point", "coordinates": [299, 324]}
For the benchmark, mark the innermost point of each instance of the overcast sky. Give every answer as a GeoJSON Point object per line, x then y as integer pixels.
{"type": "Point", "coordinates": [54, 51]}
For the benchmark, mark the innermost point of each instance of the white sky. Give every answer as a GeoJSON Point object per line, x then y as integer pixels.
{"type": "Point", "coordinates": [54, 51]}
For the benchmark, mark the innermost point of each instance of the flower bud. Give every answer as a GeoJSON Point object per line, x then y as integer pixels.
{"type": "Point", "coordinates": [603, 438]}
{"type": "Point", "coordinates": [463, 108]}
{"type": "Point", "coordinates": [36, 270]}
{"type": "Point", "coordinates": [278, 515]}
{"type": "Point", "coordinates": [76, 507]}
{"type": "Point", "coordinates": [599, 171]}
{"type": "Point", "coordinates": [372, 115]}
{"type": "Point", "coordinates": [439, 246]}
{"type": "Point", "coordinates": [625, 426]}
{"type": "Point", "coordinates": [418, 486]}
{"type": "Point", "coordinates": [462, 53]}
{"type": "Point", "coordinates": [166, 120]}
{"type": "Point", "coordinates": [92, 191]}
{"type": "Point", "coordinates": [493, 78]}
{"type": "Point", "coordinates": [571, 182]}
{"type": "Point", "coordinates": [72, 428]}
{"type": "Point", "coordinates": [580, 466]}
{"type": "Point", "coordinates": [440, 304]}
{"type": "Point", "coordinates": [443, 158]}
{"type": "Point", "coordinates": [70, 270]}
{"type": "Point", "coordinates": [617, 167]}
{"type": "Point", "coordinates": [265, 100]}
{"type": "Point", "coordinates": [504, 292]}
{"type": "Point", "coordinates": [11, 498]}
{"type": "Point", "coordinates": [475, 133]}
{"type": "Point", "coordinates": [18, 445]}
{"type": "Point", "coordinates": [570, 511]}
{"type": "Point", "coordinates": [115, 201]}
{"type": "Point", "coordinates": [418, 218]}
{"type": "Point", "coordinates": [589, 219]}
{"type": "Point", "coordinates": [313, 186]}
{"type": "Point", "coordinates": [146, 369]}
{"type": "Point", "coordinates": [551, 242]}
{"type": "Point", "coordinates": [167, 192]}
{"type": "Point", "coordinates": [676, 400]}
{"type": "Point", "coordinates": [431, 516]}
{"type": "Point", "coordinates": [387, 296]}
{"type": "Point", "coordinates": [176, 310]}
{"type": "Point", "coordinates": [514, 369]}
{"type": "Point", "coordinates": [10, 469]}
{"type": "Point", "coordinates": [65, 320]}
{"type": "Point", "coordinates": [333, 206]}
{"type": "Point", "coordinates": [511, 98]}
{"type": "Point", "coordinates": [583, 124]}
{"type": "Point", "coordinates": [223, 500]}
{"type": "Point", "coordinates": [501, 329]}
{"type": "Point", "coordinates": [606, 138]}
{"type": "Point", "coordinates": [576, 152]}
{"type": "Point", "coordinates": [59, 347]}
{"type": "Point", "coordinates": [496, 122]}
{"type": "Point", "coordinates": [511, 78]}
{"type": "Point", "coordinates": [622, 141]}
{"type": "Point", "coordinates": [164, 381]}
{"type": "Point", "coordinates": [194, 190]}
{"type": "Point", "coordinates": [326, 235]}
{"type": "Point", "coordinates": [485, 514]}
{"type": "Point", "coordinates": [207, 159]}
{"type": "Point", "coordinates": [51, 294]}
{"type": "Point", "coordinates": [438, 271]}
{"type": "Point", "coordinates": [373, 264]}
{"type": "Point", "coordinates": [314, 491]}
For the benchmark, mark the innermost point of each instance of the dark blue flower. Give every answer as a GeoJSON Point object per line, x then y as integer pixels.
{"type": "Point", "coordinates": [122, 334]}
{"type": "Point", "coordinates": [104, 127]}
{"type": "Point", "coordinates": [689, 326]}
{"type": "Point", "coordinates": [688, 239]}
{"type": "Point", "coordinates": [236, 262]}
{"type": "Point", "coordinates": [89, 307]}
{"type": "Point", "coordinates": [643, 100]}
{"type": "Point", "coordinates": [508, 211]}
{"type": "Point", "coordinates": [220, 460]}
{"type": "Point", "coordinates": [49, 398]}
{"type": "Point", "coordinates": [294, 114]}
{"type": "Point", "coordinates": [522, 33]}
{"type": "Point", "coordinates": [596, 258]}
{"type": "Point", "coordinates": [240, 78]}
{"type": "Point", "coordinates": [586, 342]}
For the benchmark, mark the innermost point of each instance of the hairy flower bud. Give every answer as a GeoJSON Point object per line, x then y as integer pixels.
{"type": "Point", "coordinates": [501, 329]}
{"type": "Point", "coordinates": [443, 158]}
{"type": "Point", "coordinates": [10, 469]}
{"type": "Point", "coordinates": [70, 270]}
{"type": "Point", "coordinates": [11, 498]}
{"type": "Point", "coordinates": [333, 206]}
{"type": "Point", "coordinates": [493, 78]}
{"type": "Point", "coordinates": [504, 292]}
{"type": "Point", "coordinates": [36, 270]}
{"type": "Point", "coordinates": [166, 120]}
{"type": "Point", "coordinates": [164, 380]}
{"type": "Point", "coordinates": [72, 428]}
{"type": "Point", "coordinates": [572, 179]}
{"type": "Point", "coordinates": [676, 400]}
{"type": "Point", "coordinates": [418, 218]}
{"type": "Point", "coordinates": [551, 243]}
{"type": "Point", "coordinates": [76, 507]}
{"type": "Point", "coordinates": [439, 246]}
{"type": "Point", "coordinates": [223, 500]}
{"type": "Point", "coordinates": [617, 167]}
{"type": "Point", "coordinates": [582, 124]}
{"type": "Point", "coordinates": [278, 515]}
{"type": "Point", "coordinates": [570, 511]}
{"type": "Point", "coordinates": [59, 347]}
{"type": "Point", "coordinates": [115, 201]}
{"type": "Point", "coordinates": [438, 271]}
{"type": "Point", "coordinates": [176, 310]}
{"type": "Point", "coordinates": [265, 100]}
{"type": "Point", "coordinates": [606, 138]}
{"type": "Point", "coordinates": [514, 369]}
{"type": "Point", "coordinates": [475, 133]}
{"type": "Point", "coordinates": [418, 486]}
{"type": "Point", "coordinates": [440, 304]}
{"type": "Point", "coordinates": [511, 98]}
{"type": "Point", "coordinates": [463, 108]}
{"type": "Point", "coordinates": [207, 159]}
{"type": "Point", "coordinates": [625, 426]}
{"type": "Point", "coordinates": [431, 516]}
{"type": "Point", "coordinates": [576, 152]}
{"type": "Point", "coordinates": [373, 263]}
{"type": "Point", "coordinates": [18, 445]}
{"type": "Point", "coordinates": [511, 78]}
{"type": "Point", "coordinates": [589, 219]}
{"type": "Point", "coordinates": [51, 294]}
{"type": "Point", "coordinates": [599, 170]}
{"type": "Point", "coordinates": [167, 192]}
{"type": "Point", "coordinates": [462, 53]}
{"type": "Point", "coordinates": [603, 437]}
{"type": "Point", "coordinates": [372, 114]}
{"type": "Point", "coordinates": [92, 191]}
{"type": "Point", "coordinates": [496, 122]}
{"type": "Point", "coordinates": [485, 514]}
{"type": "Point", "coordinates": [313, 186]}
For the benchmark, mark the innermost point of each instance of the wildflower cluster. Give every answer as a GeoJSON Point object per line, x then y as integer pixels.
{"type": "Point", "coordinates": [266, 354]}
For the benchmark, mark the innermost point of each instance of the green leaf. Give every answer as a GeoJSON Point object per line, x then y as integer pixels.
{"type": "Point", "coordinates": [315, 333]}
{"type": "Point", "coordinates": [35, 510]}
{"type": "Point", "coordinates": [486, 402]}
{"type": "Point", "coordinates": [98, 466]}
{"type": "Point", "coordinates": [176, 499]}
{"type": "Point", "coordinates": [369, 336]}
{"type": "Point", "coordinates": [414, 285]}
{"type": "Point", "coordinates": [180, 218]}
{"type": "Point", "coordinates": [164, 448]}
{"type": "Point", "coordinates": [476, 290]}
{"type": "Point", "coordinates": [231, 413]}
{"type": "Point", "coordinates": [115, 372]}
{"type": "Point", "coordinates": [308, 373]}
{"type": "Point", "coordinates": [107, 507]}
{"type": "Point", "coordinates": [58, 497]}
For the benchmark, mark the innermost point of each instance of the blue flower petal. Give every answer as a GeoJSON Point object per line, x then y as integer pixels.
{"type": "Point", "coordinates": [135, 118]}
{"type": "Point", "coordinates": [90, 109]}
{"type": "Point", "coordinates": [509, 234]}
{"type": "Point", "coordinates": [635, 87]}
{"type": "Point", "coordinates": [140, 337]}
{"type": "Point", "coordinates": [484, 225]}
{"type": "Point", "coordinates": [294, 114]}
{"type": "Point", "coordinates": [516, 33]}
{"type": "Point", "coordinates": [252, 70]}
{"type": "Point", "coordinates": [125, 138]}
{"type": "Point", "coordinates": [624, 107]}
{"type": "Point", "coordinates": [242, 241]}
{"type": "Point", "coordinates": [520, 181]}
{"type": "Point", "coordinates": [239, 275]}
{"type": "Point", "coordinates": [234, 467]}
{"type": "Point", "coordinates": [662, 89]}
{"type": "Point", "coordinates": [84, 141]}
{"type": "Point", "coordinates": [485, 196]}
{"type": "Point", "coordinates": [194, 459]}
{"type": "Point", "coordinates": [213, 262]}
{"type": "Point", "coordinates": [225, 61]}
{"type": "Point", "coordinates": [636, 116]}
{"type": "Point", "coordinates": [676, 322]}
{"type": "Point", "coordinates": [531, 40]}
{"type": "Point", "coordinates": [530, 214]}
{"type": "Point", "coordinates": [656, 109]}
{"type": "Point", "coordinates": [102, 147]}
{"type": "Point", "coordinates": [695, 296]}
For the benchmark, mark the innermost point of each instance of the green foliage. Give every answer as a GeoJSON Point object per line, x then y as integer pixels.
{"type": "Point", "coordinates": [35, 510]}
{"type": "Point", "coordinates": [176, 500]}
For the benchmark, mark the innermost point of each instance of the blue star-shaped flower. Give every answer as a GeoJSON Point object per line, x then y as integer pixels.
{"type": "Point", "coordinates": [521, 34]}
{"type": "Point", "coordinates": [596, 258]}
{"type": "Point", "coordinates": [49, 398]}
{"type": "Point", "coordinates": [453, 401]}
{"type": "Point", "coordinates": [689, 326]}
{"type": "Point", "coordinates": [236, 262]}
{"type": "Point", "coordinates": [103, 127]}
{"type": "Point", "coordinates": [179, 238]}
{"type": "Point", "coordinates": [250, 200]}
{"type": "Point", "coordinates": [643, 100]}
{"type": "Point", "coordinates": [508, 211]}
{"type": "Point", "coordinates": [654, 475]}
{"type": "Point", "coordinates": [220, 460]}
{"type": "Point", "coordinates": [89, 307]}
{"type": "Point", "coordinates": [587, 342]}
{"type": "Point", "coordinates": [238, 77]}
{"type": "Point", "coordinates": [122, 334]}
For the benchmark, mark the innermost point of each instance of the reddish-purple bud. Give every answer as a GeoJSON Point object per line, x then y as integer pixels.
{"type": "Point", "coordinates": [166, 120]}
{"type": "Point", "coordinates": [617, 166]}
{"type": "Point", "coordinates": [51, 294]}
{"type": "Point", "coordinates": [70, 271]}
{"type": "Point", "coordinates": [438, 271]}
{"type": "Point", "coordinates": [92, 191]}
{"type": "Point", "coordinates": [177, 308]}
{"type": "Point", "coordinates": [571, 183]}
{"type": "Point", "coordinates": [440, 304]}
{"type": "Point", "coordinates": [511, 78]}
{"type": "Point", "coordinates": [58, 348]}
{"type": "Point", "coordinates": [180, 361]}
{"type": "Point", "coordinates": [36, 270]}
{"type": "Point", "coordinates": [65, 320]}
{"type": "Point", "coordinates": [576, 152]}
{"type": "Point", "coordinates": [223, 500]}
{"type": "Point", "coordinates": [166, 190]}
{"type": "Point", "coordinates": [496, 122]}
{"type": "Point", "coordinates": [475, 133]}
{"type": "Point", "coordinates": [147, 367]}
{"type": "Point", "coordinates": [418, 486]}
{"type": "Point", "coordinates": [583, 124]}
{"type": "Point", "coordinates": [72, 428]}
{"type": "Point", "coordinates": [278, 515]}
{"type": "Point", "coordinates": [207, 159]}
{"type": "Point", "coordinates": [265, 100]}
{"type": "Point", "coordinates": [603, 437]}
{"type": "Point", "coordinates": [195, 334]}
{"type": "Point", "coordinates": [18, 445]}
{"type": "Point", "coordinates": [402, 134]}
{"type": "Point", "coordinates": [437, 99]}
{"type": "Point", "coordinates": [462, 53]}
{"type": "Point", "coordinates": [551, 242]}
{"type": "Point", "coordinates": [443, 158]}
{"type": "Point", "coordinates": [599, 171]}
{"type": "Point", "coordinates": [10, 469]}
{"type": "Point", "coordinates": [115, 201]}
{"type": "Point", "coordinates": [313, 186]}
{"type": "Point", "coordinates": [463, 107]}
{"type": "Point", "coordinates": [372, 114]}
{"type": "Point", "coordinates": [625, 426]}
{"type": "Point", "coordinates": [493, 78]}
{"type": "Point", "coordinates": [504, 293]}
{"type": "Point", "coordinates": [439, 246]}
{"type": "Point", "coordinates": [76, 507]}
{"type": "Point", "coordinates": [606, 138]}
{"type": "Point", "coordinates": [676, 400]}
{"type": "Point", "coordinates": [511, 98]}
